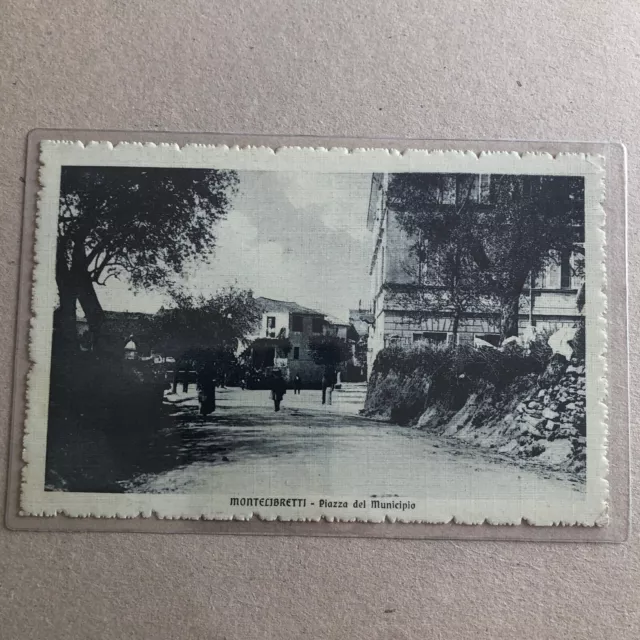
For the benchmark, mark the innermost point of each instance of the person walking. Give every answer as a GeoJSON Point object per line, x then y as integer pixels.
{"type": "Point", "coordinates": [278, 388]}
{"type": "Point", "coordinates": [297, 384]}
{"type": "Point", "coordinates": [207, 389]}
{"type": "Point", "coordinates": [328, 383]}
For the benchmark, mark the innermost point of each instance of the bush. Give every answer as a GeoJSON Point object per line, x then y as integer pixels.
{"type": "Point", "coordinates": [103, 414]}
{"type": "Point", "coordinates": [420, 357]}
{"type": "Point", "coordinates": [579, 343]}
{"type": "Point", "coordinates": [329, 350]}
{"type": "Point", "coordinates": [405, 381]}
{"type": "Point", "coordinates": [539, 348]}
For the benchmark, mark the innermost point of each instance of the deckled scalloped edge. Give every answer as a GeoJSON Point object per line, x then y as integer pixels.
{"type": "Point", "coordinates": [34, 499]}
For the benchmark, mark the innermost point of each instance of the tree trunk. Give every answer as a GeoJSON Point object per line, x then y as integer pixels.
{"type": "Point", "coordinates": [87, 295]}
{"type": "Point", "coordinates": [509, 317]}
{"type": "Point", "coordinates": [511, 306]}
{"type": "Point", "coordinates": [457, 312]}
{"type": "Point", "coordinates": [92, 309]}
{"type": "Point", "coordinates": [455, 325]}
{"type": "Point", "coordinates": [65, 330]}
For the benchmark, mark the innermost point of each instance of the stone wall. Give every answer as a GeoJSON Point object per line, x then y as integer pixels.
{"type": "Point", "coordinates": [541, 418]}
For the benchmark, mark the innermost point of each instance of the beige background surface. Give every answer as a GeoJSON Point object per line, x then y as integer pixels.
{"type": "Point", "coordinates": [551, 70]}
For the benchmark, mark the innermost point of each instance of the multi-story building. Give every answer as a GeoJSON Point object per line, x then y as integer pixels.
{"type": "Point", "coordinates": [337, 327]}
{"type": "Point", "coordinates": [549, 303]}
{"type": "Point", "coordinates": [283, 341]}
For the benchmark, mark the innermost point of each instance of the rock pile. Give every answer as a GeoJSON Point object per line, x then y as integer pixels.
{"type": "Point", "coordinates": [555, 410]}
{"type": "Point", "coordinates": [519, 413]}
{"type": "Point", "coordinates": [540, 418]}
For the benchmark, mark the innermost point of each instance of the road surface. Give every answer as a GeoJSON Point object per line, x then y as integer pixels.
{"type": "Point", "coordinates": [246, 448]}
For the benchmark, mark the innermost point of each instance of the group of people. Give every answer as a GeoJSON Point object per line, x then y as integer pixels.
{"type": "Point", "coordinates": [206, 382]}
{"type": "Point", "coordinates": [279, 386]}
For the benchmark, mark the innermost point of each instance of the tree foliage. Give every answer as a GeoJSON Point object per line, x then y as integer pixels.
{"type": "Point", "coordinates": [140, 224]}
{"type": "Point", "coordinates": [328, 350]}
{"type": "Point", "coordinates": [479, 248]}
{"type": "Point", "coordinates": [442, 271]}
{"type": "Point", "coordinates": [200, 327]}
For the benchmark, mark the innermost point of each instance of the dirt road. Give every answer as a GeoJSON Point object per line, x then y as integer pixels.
{"type": "Point", "coordinates": [247, 448]}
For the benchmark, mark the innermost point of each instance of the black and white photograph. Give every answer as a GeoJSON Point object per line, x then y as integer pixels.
{"type": "Point", "coordinates": [307, 341]}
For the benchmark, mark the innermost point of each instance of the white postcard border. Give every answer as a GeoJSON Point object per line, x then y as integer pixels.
{"type": "Point", "coordinates": [55, 154]}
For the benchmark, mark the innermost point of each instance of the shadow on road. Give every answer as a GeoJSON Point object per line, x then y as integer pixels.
{"type": "Point", "coordinates": [92, 454]}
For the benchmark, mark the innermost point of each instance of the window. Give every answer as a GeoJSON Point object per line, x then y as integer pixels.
{"type": "Point", "coordinates": [431, 337]}
{"type": "Point", "coordinates": [511, 188]}
{"type": "Point", "coordinates": [479, 189]}
{"type": "Point", "coordinates": [484, 188]}
{"type": "Point", "coordinates": [316, 325]}
{"type": "Point", "coordinates": [296, 353]}
{"type": "Point", "coordinates": [382, 278]}
{"type": "Point", "coordinates": [271, 326]}
{"type": "Point", "coordinates": [565, 270]}
{"type": "Point", "coordinates": [491, 338]}
{"type": "Point", "coordinates": [468, 189]}
{"type": "Point", "coordinates": [536, 279]}
{"type": "Point", "coordinates": [296, 323]}
{"type": "Point", "coordinates": [449, 189]}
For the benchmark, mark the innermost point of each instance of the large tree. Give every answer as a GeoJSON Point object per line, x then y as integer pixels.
{"type": "Point", "coordinates": [444, 278]}
{"type": "Point", "coordinates": [199, 326]}
{"type": "Point", "coordinates": [532, 221]}
{"type": "Point", "coordinates": [140, 224]}
{"type": "Point", "coordinates": [488, 239]}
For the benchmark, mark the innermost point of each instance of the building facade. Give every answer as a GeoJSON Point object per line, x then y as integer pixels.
{"type": "Point", "coordinates": [552, 301]}
{"type": "Point", "coordinates": [360, 321]}
{"type": "Point", "coordinates": [286, 330]}
{"type": "Point", "coordinates": [337, 327]}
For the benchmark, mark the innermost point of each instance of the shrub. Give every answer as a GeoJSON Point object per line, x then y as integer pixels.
{"type": "Point", "coordinates": [405, 381]}
{"type": "Point", "coordinates": [329, 350]}
{"type": "Point", "coordinates": [579, 343]}
{"type": "Point", "coordinates": [422, 357]}
{"type": "Point", "coordinates": [539, 348]}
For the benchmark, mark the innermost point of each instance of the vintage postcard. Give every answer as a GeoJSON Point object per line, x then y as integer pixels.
{"type": "Point", "coordinates": [307, 333]}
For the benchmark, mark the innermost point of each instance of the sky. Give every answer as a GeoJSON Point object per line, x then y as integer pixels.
{"type": "Point", "coordinates": [297, 236]}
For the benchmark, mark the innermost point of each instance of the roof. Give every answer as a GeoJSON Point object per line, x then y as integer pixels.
{"type": "Point", "coordinates": [136, 315]}
{"type": "Point", "coordinates": [361, 327]}
{"type": "Point", "coordinates": [123, 323]}
{"type": "Point", "coordinates": [120, 315]}
{"type": "Point", "coordinates": [336, 321]}
{"type": "Point", "coordinates": [269, 304]}
{"type": "Point", "coordinates": [363, 315]}
{"type": "Point", "coordinates": [361, 319]}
